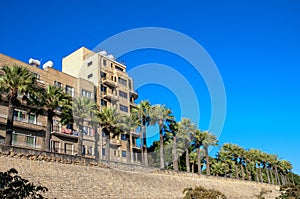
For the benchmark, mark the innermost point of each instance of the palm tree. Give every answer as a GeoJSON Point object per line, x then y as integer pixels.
{"type": "Point", "coordinates": [193, 160]}
{"type": "Point", "coordinates": [109, 120]}
{"type": "Point", "coordinates": [198, 143]}
{"type": "Point", "coordinates": [142, 111]}
{"type": "Point", "coordinates": [218, 168]}
{"type": "Point", "coordinates": [129, 124]}
{"type": "Point", "coordinates": [209, 140]}
{"type": "Point", "coordinates": [15, 81]}
{"type": "Point", "coordinates": [84, 109]}
{"type": "Point", "coordinates": [52, 100]}
{"type": "Point", "coordinates": [186, 131]}
{"type": "Point", "coordinates": [172, 132]}
{"type": "Point", "coordinates": [254, 156]}
{"type": "Point", "coordinates": [160, 115]}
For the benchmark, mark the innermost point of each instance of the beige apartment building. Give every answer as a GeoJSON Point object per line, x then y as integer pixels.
{"type": "Point", "coordinates": [30, 128]}
{"type": "Point", "coordinates": [113, 88]}
{"type": "Point", "coordinates": [84, 73]}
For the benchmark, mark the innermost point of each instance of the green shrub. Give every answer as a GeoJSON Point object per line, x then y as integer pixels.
{"type": "Point", "coordinates": [13, 186]}
{"type": "Point", "coordinates": [289, 192]}
{"type": "Point", "coordinates": [202, 193]}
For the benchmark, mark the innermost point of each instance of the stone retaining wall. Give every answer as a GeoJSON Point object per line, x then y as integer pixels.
{"type": "Point", "coordinates": [75, 177]}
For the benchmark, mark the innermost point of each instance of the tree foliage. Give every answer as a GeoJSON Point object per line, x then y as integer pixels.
{"type": "Point", "coordinates": [13, 186]}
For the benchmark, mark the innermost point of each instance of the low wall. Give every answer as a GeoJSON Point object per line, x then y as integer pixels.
{"type": "Point", "coordinates": [69, 176]}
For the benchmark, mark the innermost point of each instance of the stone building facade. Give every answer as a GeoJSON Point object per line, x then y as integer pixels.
{"type": "Point", "coordinates": [110, 86]}
{"type": "Point", "coordinates": [113, 88]}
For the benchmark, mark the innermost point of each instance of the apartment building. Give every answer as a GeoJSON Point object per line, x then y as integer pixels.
{"type": "Point", "coordinates": [30, 128]}
{"type": "Point", "coordinates": [113, 88]}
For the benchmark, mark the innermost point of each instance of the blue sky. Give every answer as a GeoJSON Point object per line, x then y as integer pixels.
{"type": "Point", "coordinates": [255, 45]}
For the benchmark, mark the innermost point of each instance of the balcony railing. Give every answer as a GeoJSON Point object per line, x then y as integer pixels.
{"type": "Point", "coordinates": [24, 120]}
{"type": "Point", "coordinates": [109, 82]}
{"type": "Point", "coordinates": [109, 96]}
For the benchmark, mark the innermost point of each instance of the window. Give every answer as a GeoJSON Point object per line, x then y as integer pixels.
{"type": "Point", "coordinates": [90, 76]}
{"type": "Point", "coordinates": [102, 74]}
{"type": "Point", "coordinates": [103, 89]}
{"type": "Point", "coordinates": [86, 93]}
{"type": "Point", "coordinates": [55, 146]}
{"type": "Point", "coordinates": [87, 131]}
{"type": "Point", "coordinates": [119, 68]}
{"type": "Point", "coordinates": [14, 138]}
{"type": "Point", "coordinates": [58, 84]}
{"type": "Point", "coordinates": [89, 150]}
{"type": "Point", "coordinates": [90, 63]}
{"type": "Point", "coordinates": [122, 81]}
{"type": "Point", "coordinates": [124, 154]}
{"type": "Point", "coordinates": [19, 115]}
{"type": "Point", "coordinates": [103, 102]}
{"type": "Point", "coordinates": [30, 141]}
{"type": "Point", "coordinates": [123, 108]}
{"type": "Point", "coordinates": [32, 118]}
{"type": "Point", "coordinates": [70, 90]}
{"type": "Point", "coordinates": [129, 85]}
{"type": "Point", "coordinates": [123, 137]}
{"type": "Point", "coordinates": [68, 148]}
{"type": "Point", "coordinates": [104, 62]}
{"type": "Point", "coordinates": [83, 150]}
{"type": "Point", "coordinates": [103, 151]}
{"type": "Point", "coordinates": [123, 94]}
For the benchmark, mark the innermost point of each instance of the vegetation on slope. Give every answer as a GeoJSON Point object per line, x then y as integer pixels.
{"type": "Point", "coordinates": [12, 186]}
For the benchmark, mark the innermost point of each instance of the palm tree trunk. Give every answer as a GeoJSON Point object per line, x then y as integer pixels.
{"type": "Point", "coordinates": [187, 161]}
{"type": "Point", "coordinates": [256, 174]}
{"type": "Point", "coordinates": [131, 147]}
{"type": "Point", "coordinates": [277, 176]}
{"type": "Point", "coordinates": [236, 170]}
{"type": "Point", "coordinates": [267, 171]}
{"type": "Point", "coordinates": [271, 172]}
{"type": "Point", "coordinates": [48, 130]}
{"type": "Point", "coordinates": [282, 180]}
{"type": "Point", "coordinates": [199, 161]}
{"type": "Point", "coordinates": [207, 161]}
{"type": "Point", "coordinates": [10, 121]}
{"type": "Point", "coordinates": [230, 170]}
{"type": "Point", "coordinates": [107, 147]}
{"type": "Point", "coordinates": [242, 170]}
{"type": "Point", "coordinates": [247, 171]}
{"type": "Point", "coordinates": [161, 145]}
{"type": "Point", "coordinates": [293, 181]}
{"type": "Point", "coordinates": [175, 158]}
{"type": "Point", "coordinates": [128, 148]}
{"type": "Point", "coordinates": [80, 137]}
{"type": "Point", "coordinates": [142, 144]}
{"type": "Point", "coordinates": [260, 175]}
{"type": "Point", "coordinates": [193, 165]}
{"type": "Point", "coordinates": [145, 147]}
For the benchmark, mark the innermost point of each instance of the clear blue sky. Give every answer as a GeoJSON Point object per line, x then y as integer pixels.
{"type": "Point", "coordinates": [255, 45]}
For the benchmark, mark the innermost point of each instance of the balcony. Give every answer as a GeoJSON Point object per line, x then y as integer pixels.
{"type": "Point", "coordinates": [115, 142]}
{"type": "Point", "coordinates": [134, 94]}
{"type": "Point", "coordinates": [64, 132]}
{"type": "Point", "coordinates": [23, 123]}
{"type": "Point", "coordinates": [109, 82]}
{"type": "Point", "coordinates": [109, 96]}
{"type": "Point", "coordinates": [132, 104]}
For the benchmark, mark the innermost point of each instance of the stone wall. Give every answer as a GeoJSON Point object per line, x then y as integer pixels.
{"type": "Point", "coordinates": [74, 177]}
